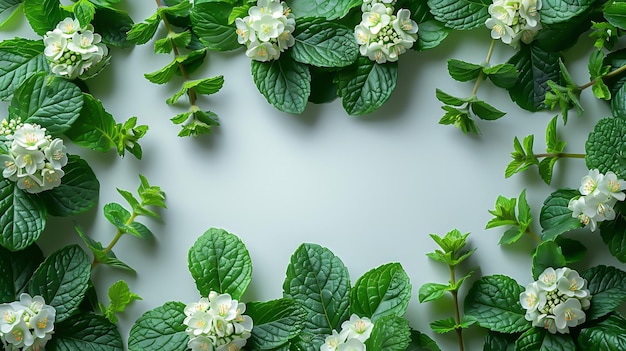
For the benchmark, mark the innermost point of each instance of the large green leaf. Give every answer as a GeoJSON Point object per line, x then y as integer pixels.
{"type": "Point", "coordinates": [319, 8]}
{"type": "Point", "coordinates": [210, 23]}
{"type": "Point", "coordinates": [16, 268]}
{"type": "Point", "coordinates": [366, 86]}
{"type": "Point", "coordinates": [606, 145]}
{"type": "Point", "coordinates": [324, 44]}
{"type": "Point", "coordinates": [320, 283]}
{"type": "Point", "coordinates": [160, 329]}
{"type": "Point", "coordinates": [556, 218]}
{"type": "Point", "coordinates": [558, 11]}
{"type": "Point", "coordinates": [220, 262]}
{"type": "Point", "coordinates": [52, 102]}
{"type": "Point", "coordinates": [607, 286]}
{"type": "Point", "coordinates": [19, 59]}
{"type": "Point", "coordinates": [86, 332]}
{"type": "Point", "coordinates": [286, 84]}
{"type": "Point", "coordinates": [78, 192]}
{"type": "Point", "coordinates": [536, 67]}
{"type": "Point", "coordinates": [275, 323]}
{"type": "Point", "coordinates": [548, 254]}
{"type": "Point", "coordinates": [94, 128]}
{"type": "Point", "coordinates": [607, 335]}
{"type": "Point", "coordinates": [536, 339]}
{"type": "Point", "coordinates": [431, 34]}
{"type": "Point", "coordinates": [22, 217]}
{"type": "Point", "coordinates": [44, 15]}
{"type": "Point", "coordinates": [390, 333]}
{"type": "Point", "coordinates": [382, 291]}
{"type": "Point", "coordinates": [62, 280]}
{"type": "Point", "coordinates": [460, 14]}
{"type": "Point", "coordinates": [494, 302]}
{"type": "Point", "coordinates": [113, 25]}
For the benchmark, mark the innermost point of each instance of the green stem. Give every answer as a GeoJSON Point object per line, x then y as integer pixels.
{"type": "Point", "coordinates": [560, 155]}
{"type": "Point", "coordinates": [481, 75]}
{"type": "Point", "coordinates": [455, 296]}
{"type": "Point", "coordinates": [607, 76]}
{"type": "Point", "coordinates": [534, 236]}
{"type": "Point", "coordinates": [117, 237]}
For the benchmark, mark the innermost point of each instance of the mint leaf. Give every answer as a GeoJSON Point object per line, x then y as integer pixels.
{"type": "Point", "coordinates": [320, 8]}
{"type": "Point", "coordinates": [84, 11]}
{"type": "Point", "coordinates": [615, 14]}
{"type": "Point", "coordinates": [366, 86]}
{"type": "Point", "coordinates": [86, 332]}
{"type": "Point", "coordinates": [494, 301]}
{"type": "Point", "coordinates": [460, 14]}
{"type": "Point", "coordinates": [19, 58]}
{"type": "Point", "coordinates": [555, 217]}
{"type": "Point", "coordinates": [220, 262]}
{"type": "Point", "coordinates": [536, 67]}
{"type": "Point", "coordinates": [120, 297]}
{"type": "Point", "coordinates": [112, 25]}
{"type": "Point", "coordinates": [558, 11]}
{"type": "Point", "coordinates": [432, 33]}
{"type": "Point", "coordinates": [497, 342]}
{"type": "Point", "coordinates": [485, 111]}
{"type": "Point", "coordinates": [22, 217]}
{"type": "Point", "coordinates": [422, 342]}
{"type": "Point", "coordinates": [389, 333]}
{"type": "Point", "coordinates": [62, 280]}
{"type": "Point", "coordinates": [8, 8]}
{"type": "Point", "coordinates": [160, 329]}
{"type": "Point", "coordinates": [320, 283]}
{"type": "Point", "coordinates": [504, 213]}
{"type": "Point", "coordinates": [52, 102]}
{"type": "Point", "coordinates": [548, 254]}
{"type": "Point", "coordinates": [275, 323]}
{"type": "Point", "coordinates": [385, 290]}
{"type": "Point", "coordinates": [607, 286]}
{"type": "Point", "coordinates": [95, 128]}
{"type": "Point", "coordinates": [44, 15]}
{"type": "Point", "coordinates": [206, 86]}
{"type": "Point", "coordinates": [605, 335]}
{"type": "Point", "coordinates": [606, 147]}
{"type": "Point", "coordinates": [210, 23]}
{"type": "Point", "coordinates": [538, 339]}
{"type": "Point", "coordinates": [503, 75]}
{"type": "Point", "coordinates": [573, 250]}
{"type": "Point", "coordinates": [614, 235]}
{"type": "Point", "coordinates": [16, 268]}
{"type": "Point", "coordinates": [463, 71]}
{"type": "Point", "coordinates": [142, 32]}
{"type": "Point", "coordinates": [432, 292]}
{"type": "Point", "coordinates": [286, 84]}
{"type": "Point", "coordinates": [324, 44]}
{"type": "Point", "coordinates": [443, 326]}
{"type": "Point", "coordinates": [449, 99]}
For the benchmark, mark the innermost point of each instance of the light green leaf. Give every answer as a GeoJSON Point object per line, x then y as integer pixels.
{"type": "Point", "coordinates": [366, 86]}
{"type": "Point", "coordinates": [605, 335]}
{"type": "Point", "coordinates": [160, 329]}
{"type": "Point", "coordinates": [330, 10]}
{"type": "Point", "coordinates": [275, 323]}
{"type": "Point", "coordinates": [607, 286]}
{"type": "Point", "coordinates": [84, 11]}
{"type": "Point", "coordinates": [319, 282]}
{"type": "Point", "coordinates": [62, 280]}
{"type": "Point", "coordinates": [442, 326]}
{"type": "Point", "coordinates": [142, 32]}
{"type": "Point", "coordinates": [173, 39]}
{"type": "Point", "coordinates": [606, 147]}
{"type": "Point", "coordinates": [536, 339]}
{"type": "Point", "coordinates": [8, 9]}
{"type": "Point", "coordinates": [504, 213]}
{"type": "Point", "coordinates": [494, 301]}
{"type": "Point", "coordinates": [22, 217]}
{"type": "Point", "coordinates": [284, 83]}
{"type": "Point", "coordinates": [390, 333]}
{"type": "Point", "coordinates": [164, 74]}
{"type": "Point", "coordinates": [460, 14]}
{"type": "Point", "coordinates": [324, 44]}
{"type": "Point", "coordinates": [16, 268]}
{"type": "Point", "coordinates": [558, 11]}
{"type": "Point", "coordinates": [547, 255]}
{"type": "Point", "coordinates": [463, 71]}
{"type": "Point", "coordinates": [460, 118]}
{"type": "Point", "coordinates": [85, 332]}
{"type": "Point", "coordinates": [210, 23]}
{"type": "Point", "coordinates": [449, 99]}
{"type": "Point", "coordinates": [503, 75]}
{"type": "Point", "coordinates": [385, 290]}
{"type": "Point", "coordinates": [220, 262]}
{"type": "Point", "coordinates": [44, 15]}
{"type": "Point", "coordinates": [432, 291]}
{"type": "Point", "coordinates": [117, 215]}
{"type": "Point", "coordinates": [120, 297]}
{"type": "Point", "coordinates": [19, 59]}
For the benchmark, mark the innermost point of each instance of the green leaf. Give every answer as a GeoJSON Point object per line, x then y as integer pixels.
{"type": "Point", "coordinates": [555, 217]}
{"type": "Point", "coordinates": [286, 84]}
{"type": "Point", "coordinates": [84, 11]}
{"type": "Point", "coordinates": [141, 33]}
{"type": "Point", "coordinates": [320, 8]}
{"type": "Point", "coordinates": [62, 280]}
{"type": "Point", "coordinates": [324, 44]}
{"type": "Point", "coordinates": [607, 286]}
{"type": "Point", "coordinates": [22, 217]}
{"type": "Point", "coordinates": [460, 118]}
{"type": "Point", "coordinates": [44, 15]}
{"type": "Point", "coordinates": [605, 335]}
{"type": "Point", "coordinates": [319, 282]}
{"type": "Point", "coordinates": [449, 99]}
{"type": "Point", "coordinates": [151, 195]}
{"type": "Point", "coordinates": [432, 33]}
{"type": "Point", "coordinates": [239, 12]}
{"type": "Point", "coordinates": [8, 9]}
{"type": "Point", "coordinates": [443, 326]}
{"type": "Point", "coordinates": [160, 329]}
{"type": "Point", "coordinates": [181, 9]}
{"type": "Point", "coordinates": [323, 88]}
{"type": "Point", "coordinates": [95, 128]}
{"type": "Point", "coordinates": [385, 290]}
{"type": "Point", "coordinates": [366, 86]}
{"type": "Point", "coordinates": [275, 323]}
{"type": "Point", "coordinates": [573, 250]}
{"type": "Point", "coordinates": [504, 213]}
{"type": "Point", "coordinates": [497, 342]}
{"type": "Point", "coordinates": [615, 14]}
{"type": "Point", "coordinates": [606, 147]}
{"type": "Point", "coordinates": [536, 67]}
{"type": "Point", "coordinates": [85, 332]}
{"type": "Point", "coordinates": [389, 333]}
{"type": "Point", "coordinates": [548, 254]}
{"type": "Point", "coordinates": [614, 235]}
{"type": "Point", "coordinates": [220, 262]}
{"type": "Point", "coordinates": [553, 143]}
{"type": "Point", "coordinates": [112, 25]}
{"type": "Point", "coordinates": [120, 297]}
{"type": "Point", "coordinates": [463, 71]}
{"type": "Point", "coordinates": [78, 192]}
{"type": "Point", "coordinates": [19, 59]}
{"type": "Point", "coordinates": [206, 86]}
{"type": "Point", "coordinates": [177, 39]}
{"type": "Point", "coordinates": [117, 215]}
{"type": "Point", "coordinates": [16, 268]}
{"type": "Point", "coordinates": [163, 75]}
{"type": "Point", "coordinates": [494, 301]}
{"type": "Point", "coordinates": [52, 102]}
{"type": "Point", "coordinates": [524, 216]}
{"type": "Point", "coordinates": [485, 111]}
{"type": "Point", "coordinates": [536, 339]}
{"type": "Point", "coordinates": [558, 11]}
{"type": "Point", "coordinates": [431, 292]}
{"type": "Point", "coordinates": [503, 75]}
{"type": "Point", "coordinates": [460, 14]}
{"type": "Point", "coordinates": [422, 342]}
{"type": "Point", "coordinates": [210, 23]}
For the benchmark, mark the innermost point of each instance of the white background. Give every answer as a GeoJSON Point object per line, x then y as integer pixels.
{"type": "Point", "coordinates": [369, 188]}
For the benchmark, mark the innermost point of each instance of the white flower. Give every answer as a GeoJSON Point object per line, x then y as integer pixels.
{"type": "Point", "coordinates": [352, 345]}
{"type": "Point", "coordinates": [55, 44]}
{"type": "Point", "coordinates": [30, 137]}
{"type": "Point", "coordinates": [200, 306]}
{"type": "Point", "coordinates": [267, 27]}
{"type": "Point", "coordinates": [375, 52]}
{"type": "Point", "coordinates": [274, 8]}
{"type": "Point", "coordinates": [30, 184]}
{"type": "Point", "coordinates": [514, 20]}
{"type": "Point", "coordinates": [362, 34]}
{"type": "Point", "coordinates": [84, 43]}
{"type": "Point", "coordinates": [568, 314]}
{"type": "Point", "coordinates": [68, 27]}
{"type": "Point", "coordinates": [332, 341]}
{"type": "Point", "coordinates": [546, 322]}
{"type": "Point", "coordinates": [548, 279]}
{"type": "Point", "coordinates": [376, 18]}
{"type": "Point", "coordinates": [10, 168]}
{"type": "Point", "coordinates": [199, 323]}
{"type": "Point", "coordinates": [529, 10]}
{"type": "Point", "coordinates": [500, 30]}
{"type": "Point", "coordinates": [224, 306]}
{"type": "Point", "coordinates": [404, 25]}
{"type": "Point", "coordinates": [589, 183]}
{"type": "Point", "coordinates": [51, 178]}
{"type": "Point", "coordinates": [533, 298]}
{"type": "Point", "coordinates": [28, 160]}
{"type": "Point", "coordinates": [26, 324]}
{"type": "Point", "coordinates": [200, 343]}
{"type": "Point", "coordinates": [357, 328]}
{"type": "Point", "coordinates": [612, 186]}
{"type": "Point", "coordinates": [267, 30]}
{"type": "Point", "coordinates": [571, 284]}
{"type": "Point", "coordinates": [262, 51]}
{"type": "Point", "coordinates": [502, 12]}
{"type": "Point", "coordinates": [245, 33]}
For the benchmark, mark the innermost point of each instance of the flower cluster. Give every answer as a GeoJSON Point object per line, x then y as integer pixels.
{"type": "Point", "coordinates": [599, 193]}
{"type": "Point", "coordinates": [217, 323]}
{"type": "Point", "coordinates": [556, 300]}
{"type": "Point", "coordinates": [354, 333]}
{"type": "Point", "coordinates": [383, 36]}
{"type": "Point", "coordinates": [73, 51]}
{"type": "Point", "coordinates": [31, 158]}
{"type": "Point", "coordinates": [514, 20]}
{"type": "Point", "coordinates": [267, 30]}
{"type": "Point", "coordinates": [27, 324]}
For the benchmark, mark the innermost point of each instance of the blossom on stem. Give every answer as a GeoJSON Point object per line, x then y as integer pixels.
{"type": "Point", "coordinates": [267, 31]}
{"type": "Point", "coordinates": [354, 332]}
{"type": "Point", "coordinates": [26, 324]}
{"type": "Point", "coordinates": [513, 21]}
{"type": "Point", "coordinates": [599, 194]}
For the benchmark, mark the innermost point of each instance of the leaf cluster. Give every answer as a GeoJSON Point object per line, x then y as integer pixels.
{"type": "Point", "coordinates": [513, 213]}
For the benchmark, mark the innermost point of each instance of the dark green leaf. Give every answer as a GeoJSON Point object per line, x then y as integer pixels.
{"type": "Point", "coordinates": [210, 23]}
{"type": "Point", "coordinates": [607, 286]}
{"type": "Point", "coordinates": [62, 280]}
{"type": "Point", "coordinates": [86, 332]}
{"type": "Point", "coordinates": [558, 11]}
{"type": "Point", "coordinates": [555, 217]}
{"type": "Point", "coordinates": [431, 34]}
{"type": "Point", "coordinates": [320, 8]}
{"type": "Point", "coordinates": [325, 44]}
{"type": "Point", "coordinates": [537, 339]}
{"type": "Point", "coordinates": [503, 75]}
{"type": "Point", "coordinates": [460, 14]}
{"type": "Point", "coordinates": [573, 250]}
{"type": "Point", "coordinates": [615, 14]}
{"type": "Point", "coordinates": [422, 342]}
{"type": "Point", "coordinates": [275, 323]}
{"type": "Point", "coordinates": [160, 329]}
{"type": "Point", "coordinates": [19, 59]}
{"type": "Point", "coordinates": [366, 86]}
{"type": "Point", "coordinates": [286, 84]}
{"type": "Point", "coordinates": [323, 88]}
{"type": "Point", "coordinates": [390, 333]}
{"type": "Point", "coordinates": [113, 25]}
{"type": "Point", "coordinates": [606, 147]}
{"type": "Point", "coordinates": [614, 236]}
{"type": "Point", "coordinates": [22, 217]}
{"type": "Point", "coordinates": [548, 254]}
{"type": "Point", "coordinates": [44, 15]}
{"type": "Point", "coordinates": [16, 268]}
{"type": "Point", "coordinates": [463, 71]}
{"type": "Point", "coordinates": [607, 335]}
{"type": "Point", "coordinates": [485, 111]}
{"type": "Point", "coordinates": [219, 261]}
{"type": "Point", "coordinates": [497, 342]}
{"type": "Point", "coordinates": [95, 128]}
{"type": "Point", "coordinates": [385, 290]}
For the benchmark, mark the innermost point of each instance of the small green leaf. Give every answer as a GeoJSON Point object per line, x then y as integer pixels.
{"type": "Point", "coordinates": [460, 118]}
{"type": "Point", "coordinates": [22, 217]}
{"type": "Point", "coordinates": [538, 339]}
{"type": "Point", "coordinates": [160, 329]}
{"type": "Point", "coordinates": [485, 111]}
{"type": "Point", "coordinates": [605, 335]}
{"type": "Point", "coordinates": [547, 255]}
{"type": "Point", "coordinates": [503, 75]}
{"type": "Point", "coordinates": [324, 44]}
{"type": "Point", "coordinates": [173, 39]}
{"type": "Point", "coordinates": [164, 74]}
{"type": "Point", "coordinates": [120, 297]}
{"type": "Point", "coordinates": [86, 331]}
{"type": "Point", "coordinates": [220, 262]}
{"type": "Point", "coordinates": [8, 9]}
{"type": "Point", "coordinates": [44, 15]}
{"type": "Point", "coordinates": [463, 71]}
{"type": "Point", "coordinates": [504, 213]}
{"type": "Point", "coordinates": [275, 323]}
{"type": "Point", "coordinates": [443, 326]}
{"type": "Point", "coordinates": [84, 11]}
{"type": "Point", "coordinates": [462, 14]}
{"type": "Point", "coordinates": [366, 86]}
{"type": "Point", "coordinates": [320, 8]}
{"type": "Point", "coordinates": [19, 58]}
{"type": "Point", "coordinates": [284, 83]}
{"type": "Point", "coordinates": [141, 33]}
{"type": "Point", "coordinates": [210, 23]}
{"type": "Point", "coordinates": [385, 290]}
{"type": "Point", "coordinates": [432, 33]}
{"type": "Point", "coordinates": [117, 215]}
{"type": "Point", "coordinates": [432, 291]}
{"type": "Point", "coordinates": [449, 99]}
{"type": "Point", "coordinates": [606, 147]}
{"type": "Point", "coordinates": [607, 286]}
